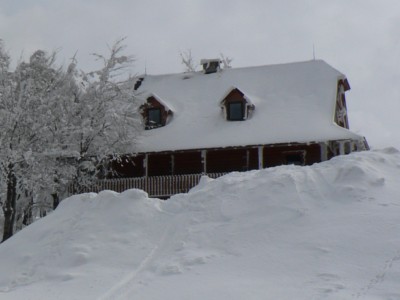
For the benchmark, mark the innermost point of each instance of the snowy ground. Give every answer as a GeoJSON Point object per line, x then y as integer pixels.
{"type": "Point", "coordinates": [329, 231]}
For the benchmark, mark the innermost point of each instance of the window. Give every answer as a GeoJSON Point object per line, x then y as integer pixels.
{"type": "Point", "coordinates": [295, 158]}
{"type": "Point", "coordinates": [155, 113]}
{"type": "Point", "coordinates": [235, 111]}
{"type": "Point", "coordinates": [153, 117]}
{"type": "Point", "coordinates": [236, 106]}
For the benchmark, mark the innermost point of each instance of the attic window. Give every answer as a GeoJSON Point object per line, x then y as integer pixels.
{"type": "Point", "coordinates": [153, 117]}
{"type": "Point", "coordinates": [155, 112]}
{"type": "Point", "coordinates": [235, 111]}
{"type": "Point", "coordinates": [236, 105]}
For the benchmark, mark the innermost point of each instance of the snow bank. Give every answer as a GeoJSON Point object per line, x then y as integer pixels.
{"type": "Point", "coordinates": [328, 231]}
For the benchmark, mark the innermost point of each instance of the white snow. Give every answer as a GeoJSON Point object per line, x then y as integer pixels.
{"type": "Point", "coordinates": [327, 231]}
{"type": "Point", "coordinates": [294, 102]}
{"type": "Point", "coordinates": [161, 101]}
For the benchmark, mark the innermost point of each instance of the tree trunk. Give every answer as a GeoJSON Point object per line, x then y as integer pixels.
{"type": "Point", "coordinates": [28, 215]}
{"type": "Point", "coordinates": [9, 207]}
{"type": "Point", "coordinates": [56, 200]}
{"type": "Point", "coordinates": [55, 195]}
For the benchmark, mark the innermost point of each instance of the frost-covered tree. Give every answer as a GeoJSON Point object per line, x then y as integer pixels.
{"type": "Point", "coordinates": [26, 93]}
{"type": "Point", "coordinates": [4, 90]}
{"type": "Point", "coordinates": [102, 119]}
{"type": "Point", "coordinates": [60, 126]}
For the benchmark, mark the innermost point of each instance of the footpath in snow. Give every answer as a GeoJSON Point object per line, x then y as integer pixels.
{"type": "Point", "coordinates": [328, 231]}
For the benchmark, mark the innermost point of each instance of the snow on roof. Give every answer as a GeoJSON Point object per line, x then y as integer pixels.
{"type": "Point", "coordinates": [246, 95]}
{"type": "Point", "coordinates": [167, 106]}
{"type": "Point", "coordinates": [294, 102]}
{"type": "Point", "coordinates": [206, 61]}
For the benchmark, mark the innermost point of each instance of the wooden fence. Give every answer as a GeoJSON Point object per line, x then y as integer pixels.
{"type": "Point", "coordinates": [155, 186]}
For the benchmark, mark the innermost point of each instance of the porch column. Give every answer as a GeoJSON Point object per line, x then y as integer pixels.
{"type": "Point", "coordinates": [324, 151]}
{"type": "Point", "coordinates": [260, 157]}
{"type": "Point", "coordinates": [172, 164]}
{"type": "Point", "coordinates": [145, 165]}
{"type": "Point", "coordinates": [204, 160]}
{"type": "Point", "coordinates": [341, 148]}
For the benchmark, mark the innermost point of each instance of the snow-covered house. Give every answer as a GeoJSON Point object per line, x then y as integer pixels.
{"type": "Point", "coordinates": [218, 121]}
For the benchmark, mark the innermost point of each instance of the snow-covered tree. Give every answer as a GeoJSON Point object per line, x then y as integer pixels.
{"type": "Point", "coordinates": [26, 93]}
{"type": "Point", "coordinates": [4, 86]}
{"type": "Point", "coordinates": [60, 126]}
{"type": "Point", "coordinates": [102, 119]}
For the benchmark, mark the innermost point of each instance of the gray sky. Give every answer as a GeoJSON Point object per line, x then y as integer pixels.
{"type": "Point", "coordinates": [361, 38]}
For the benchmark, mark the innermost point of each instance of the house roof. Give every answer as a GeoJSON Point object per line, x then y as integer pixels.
{"type": "Point", "coordinates": [294, 103]}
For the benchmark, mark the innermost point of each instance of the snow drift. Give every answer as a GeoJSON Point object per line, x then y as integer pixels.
{"type": "Point", "coordinates": [328, 231]}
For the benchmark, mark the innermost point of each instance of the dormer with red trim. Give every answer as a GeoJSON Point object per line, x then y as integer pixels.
{"type": "Point", "coordinates": [236, 105]}
{"type": "Point", "coordinates": [155, 112]}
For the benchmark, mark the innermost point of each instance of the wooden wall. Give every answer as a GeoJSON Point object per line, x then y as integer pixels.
{"type": "Point", "coordinates": [159, 164]}
{"type": "Point", "coordinates": [217, 160]}
{"type": "Point", "coordinates": [232, 160]}
{"type": "Point", "coordinates": [279, 155]}
{"type": "Point", "coordinates": [174, 163]}
{"type": "Point", "coordinates": [234, 96]}
{"type": "Point", "coordinates": [188, 163]}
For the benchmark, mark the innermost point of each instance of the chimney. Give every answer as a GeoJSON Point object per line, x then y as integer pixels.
{"type": "Point", "coordinates": [210, 65]}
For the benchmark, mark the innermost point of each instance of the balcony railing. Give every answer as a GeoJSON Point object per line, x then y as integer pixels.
{"type": "Point", "coordinates": [155, 186]}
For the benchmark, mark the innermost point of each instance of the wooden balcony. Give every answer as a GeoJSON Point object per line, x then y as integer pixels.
{"type": "Point", "coordinates": [156, 186]}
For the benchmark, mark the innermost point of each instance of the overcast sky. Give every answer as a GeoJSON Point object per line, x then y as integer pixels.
{"type": "Point", "coordinates": [360, 38]}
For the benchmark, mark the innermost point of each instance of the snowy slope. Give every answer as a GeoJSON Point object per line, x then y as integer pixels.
{"type": "Point", "coordinates": [328, 231]}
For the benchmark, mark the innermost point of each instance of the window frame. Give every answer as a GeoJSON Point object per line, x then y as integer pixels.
{"type": "Point", "coordinates": [242, 106]}
{"type": "Point", "coordinates": [148, 120]}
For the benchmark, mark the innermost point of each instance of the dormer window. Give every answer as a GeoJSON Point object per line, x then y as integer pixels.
{"type": "Point", "coordinates": [235, 111]}
{"type": "Point", "coordinates": [236, 105]}
{"type": "Point", "coordinates": [155, 112]}
{"type": "Point", "coordinates": [153, 117]}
